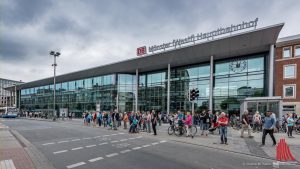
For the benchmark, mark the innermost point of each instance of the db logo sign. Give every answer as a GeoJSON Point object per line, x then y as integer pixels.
{"type": "Point", "coordinates": [141, 51]}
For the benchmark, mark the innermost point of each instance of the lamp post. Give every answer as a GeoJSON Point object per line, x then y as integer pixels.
{"type": "Point", "coordinates": [55, 54]}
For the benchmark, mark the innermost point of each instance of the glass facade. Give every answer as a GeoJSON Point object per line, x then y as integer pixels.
{"type": "Point", "coordinates": [233, 79]}
{"type": "Point", "coordinates": [237, 79]}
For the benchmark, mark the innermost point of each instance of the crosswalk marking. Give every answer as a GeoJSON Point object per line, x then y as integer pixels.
{"type": "Point", "coordinates": [63, 141]}
{"type": "Point", "coordinates": [96, 159]}
{"type": "Point", "coordinates": [58, 152]}
{"type": "Point", "coordinates": [77, 148]}
{"type": "Point", "coordinates": [87, 138]}
{"type": "Point", "coordinates": [111, 155]}
{"type": "Point", "coordinates": [115, 141]}
{"type": "Point", "coordinates": [76, 139]}
{"type": "Point", "coordinates": [103, 143]}
{"type": "Point", "coordinates": [76, 165]}
{"type": "Point", "coordinates": [136, 148]}
{"type": "Point", "coordinates": [90, 146]}
{"type": "Point", "coordinates": [125, 151]}
{"type": "Point", "coordinates": [47, 144]}
{"type": "Point", "coordinates": [146, 145]}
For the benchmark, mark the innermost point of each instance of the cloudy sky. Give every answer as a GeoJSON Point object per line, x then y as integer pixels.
{"type": "Point", "coordinates": [91, 33]}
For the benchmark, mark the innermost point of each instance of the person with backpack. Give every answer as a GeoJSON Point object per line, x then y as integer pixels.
{"type": "Point", "coordinates": [256, 122]}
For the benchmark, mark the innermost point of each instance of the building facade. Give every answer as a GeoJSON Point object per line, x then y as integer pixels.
{"type": "Point", "coordinates": [7, 98]}
{"type": "Point", "coordinates": [224, 70]}
{"type": "Point", "coordinates": [287, 72]}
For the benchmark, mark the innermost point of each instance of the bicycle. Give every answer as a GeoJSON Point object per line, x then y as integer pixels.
{"type": "Point", "coordinates": [181, 130]}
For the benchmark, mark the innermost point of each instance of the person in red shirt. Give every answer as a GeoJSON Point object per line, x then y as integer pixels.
{"type": "Point", "coordinates": [223, 121]}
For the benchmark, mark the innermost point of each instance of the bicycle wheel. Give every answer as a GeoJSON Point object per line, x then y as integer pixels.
{"type": "Point", "coordinates": [171, 130]}
{"type": "Point", "coordinates": [194, 130]}
{"type": "Point", "coordinates": [177, 131]}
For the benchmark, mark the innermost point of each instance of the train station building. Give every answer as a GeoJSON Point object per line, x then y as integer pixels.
{"type": "Point", "coordinates": [232, 73]}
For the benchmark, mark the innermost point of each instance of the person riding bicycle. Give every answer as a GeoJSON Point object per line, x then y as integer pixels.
{"type": "Point", "coordinates": [180, 118]}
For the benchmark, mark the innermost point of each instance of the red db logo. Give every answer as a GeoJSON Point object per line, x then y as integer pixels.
{"type": "Point", "coordinates": [141, 51]}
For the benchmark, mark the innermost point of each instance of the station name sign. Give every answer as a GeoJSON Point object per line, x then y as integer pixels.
{"type": "Point", "coordinates": [197, 37]}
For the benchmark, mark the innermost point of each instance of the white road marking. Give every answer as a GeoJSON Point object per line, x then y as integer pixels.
{"type": "Point", "coordinates": [136, 148]}
{"type": "Point", "coordinates": [87, 138]}
{"type": "Point", "coordinates": [90, 146]}
{"type": "Point", "coordinates": [47, 144]}
{"type": "Point", "coordinates": [146, 145]}
{"type": "Point", "coordinates": [96, 159]}
{"type": "Point", "coordinates": [155, 143]}
{"type": "Point", "coordinates": [7, 164]}
{"type": "Point", "coordinates": [76, 139]}
{"type": "Point", "coordinates": [163, 141]}
{"type": "Point", "coordinates": [111, 155]}
{"type": "Point", "coordinates": [77, 148]}
{"type": "Point", "coordinates": [76, 165]}
{"type": "Point", "coordinates": [139, 137]}
{"type": "Point", "coordinates": [131, 138]}
{"type": "Point", "coordinates": [103, 143]}
{"type": "Point", "coordinates": [114, 134]}
{"type": "Point", "coordinates": [105, 135]}
{"type": "Point", "coordinates": [114, 141]}
{"type": "Point", "coordinates": [125, 151]}
{"type": "Point", "coordinates": [63, 141]}
{"type": "Point", "coordinates": [121, 133]}
{"type": "Point", "coordinates": [124, 140]}
{"type": "Point", "coordinates": [58, 152]}
{"type": "Point", "coordinates": [11, 163]}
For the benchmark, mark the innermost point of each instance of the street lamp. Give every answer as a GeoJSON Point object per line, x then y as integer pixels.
{"type": "Point", "coordinates": [55, 54]}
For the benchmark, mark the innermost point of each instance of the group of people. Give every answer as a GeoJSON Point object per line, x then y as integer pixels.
{"type": "Point", "coordinates": [112, 120]}
{"type": "Point", "coordinates": [207, 121]}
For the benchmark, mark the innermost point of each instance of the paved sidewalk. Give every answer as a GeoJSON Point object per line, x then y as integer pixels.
{"type": "Point", "coordinates": [12, 153]}
{"type": "Point", "coordinates": [293, 143]}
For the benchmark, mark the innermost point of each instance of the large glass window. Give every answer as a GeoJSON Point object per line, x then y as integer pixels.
{"type": "Point", "coordinates": [237, 79]}
{"type": "Point", "coordinates": [289, 71]}
{"type": "Point", "coordinates": [89, 83]}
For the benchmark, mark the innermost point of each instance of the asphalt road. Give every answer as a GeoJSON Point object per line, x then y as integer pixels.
{"type": "Point", "coordinates": [70, 145]}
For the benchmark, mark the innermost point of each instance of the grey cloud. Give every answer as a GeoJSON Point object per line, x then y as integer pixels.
{"type": "Point", "coordinates": [20, 12]}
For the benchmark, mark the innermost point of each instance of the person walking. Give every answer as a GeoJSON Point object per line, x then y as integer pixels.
{"type": "Point", "coordinates": [99, 118]}
{"type": "Point", "coordinates": [154, 122]}
{"type": "Point", "coordinates": [245, 124]}
{"type": "Point", "coordinates": [290, 125]}
{"type": "Point", "coordinates": [256, 122]}
{"type": "Point", "coordinates": [223, 122]}
{"type": "Point", "coordinates": [268, 128]}
{"type": "Point", "coordinates": [205, 122]}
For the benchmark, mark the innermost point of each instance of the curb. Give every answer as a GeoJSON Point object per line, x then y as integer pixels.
{"type": "Point", "coordinates": [38, 158]}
